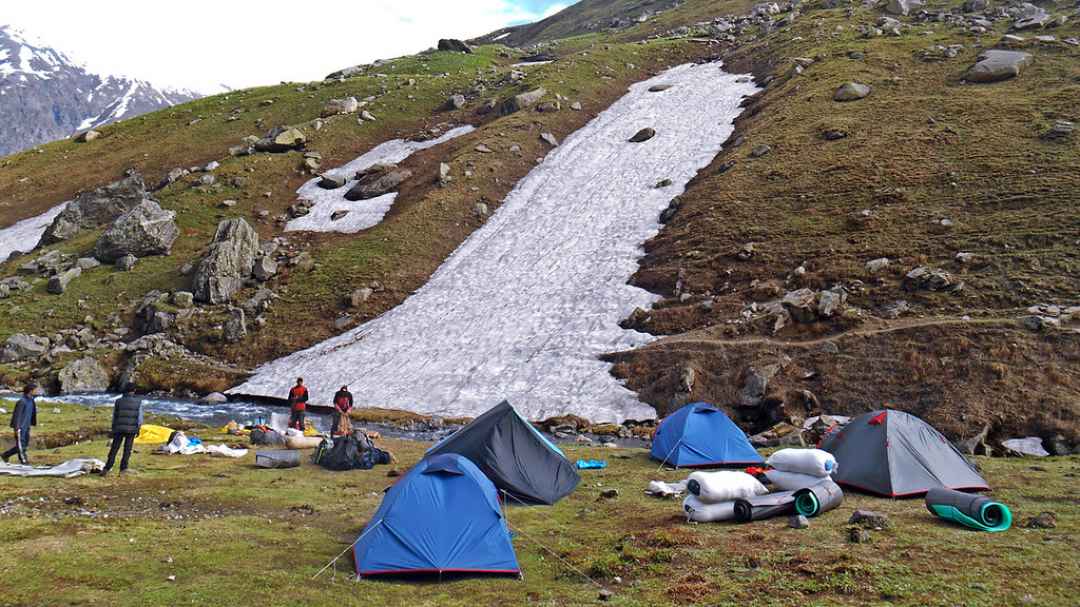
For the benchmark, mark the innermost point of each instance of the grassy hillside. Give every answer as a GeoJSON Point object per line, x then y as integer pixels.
{"type": "Point", "coordinates": [206, 530]}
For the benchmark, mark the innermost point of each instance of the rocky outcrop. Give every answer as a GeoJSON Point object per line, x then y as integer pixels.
{"type": "Point", "coordinates": [91, 210]}
{"type": "Point", "coordinates": [851, 91]}
{"type": "Point", "coordinates": [84, 375]}
{"type": "Point", "coordinates": [281, 139]}
{"type": "Point", "coordinates": [522, 101]}
{"type": "Point", "coordinates": [20, 347]}
{"type": "Point", "coordinates": [143, 231]}
{"type": "Point", "coordinates": [453, 45]}
{"type": "Point", "coordinates": [59, 282]}
{"type": "Point", "coordinates": [348, 105]}
{"type": "Point", "coordinates": [228, 263]}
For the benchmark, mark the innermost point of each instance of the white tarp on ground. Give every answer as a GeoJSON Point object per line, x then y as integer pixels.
{"type": "Point", "coordinates": [362, 214]}
{"type": "Point", "coordinates": [68, 469]}
{"type": "Point", "coordinates": [525, 306]}
{"type": "Point", "coordinates": [24, 235]}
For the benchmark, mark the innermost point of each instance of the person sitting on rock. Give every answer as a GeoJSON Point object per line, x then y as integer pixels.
{"type": "Point", "coordinates": [343, 403]}
{"type": "Point", "coordinates": [127, 420]}
{"type": "Point", "coordinates": [24, 416]}
{"type": "Point", "coordinates": [298, 398]}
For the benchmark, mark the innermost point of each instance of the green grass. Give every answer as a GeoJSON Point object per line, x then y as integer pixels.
{"type": "Point", "coordinates": [234, 534]}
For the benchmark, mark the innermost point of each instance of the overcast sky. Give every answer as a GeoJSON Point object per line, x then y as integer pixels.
{"type": "Point", "coordinates": [200, 44]}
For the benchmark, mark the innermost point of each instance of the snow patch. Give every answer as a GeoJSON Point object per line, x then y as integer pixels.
{"type": "Point", "coordinates": [525, 306]}
{"type": "Point", "coordinates": [363, 214]}
{"type": "Point", "coordinates": [501, 37]}
{"type": "Point", "coordinates": [532, 63]}
{"type": "Point", "coordinates": [24, 235]}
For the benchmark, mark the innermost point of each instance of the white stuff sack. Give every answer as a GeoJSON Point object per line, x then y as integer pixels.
{"type": "Point", "coordinates": [814, 462]}
{"type": "Point", "coordinates": [723, 486]}
{"type": "Point", "coordinates": [792, 481]}
{"type": "Point", "coordinates": [699, 512]}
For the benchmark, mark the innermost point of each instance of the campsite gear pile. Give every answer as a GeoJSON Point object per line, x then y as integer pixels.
{"type": "Point", "coordinates": [351, 452]}
{"type": "Point", "coordinates": [700, 435]}
{"type": "Point", "coordinates": [182, 444]}
{"type": "Point", "coordinates": [975, 511]}
{"type": "Point", "coordinates": [896, 454]}
{"type": "Point", "coordinates": [713, 494]}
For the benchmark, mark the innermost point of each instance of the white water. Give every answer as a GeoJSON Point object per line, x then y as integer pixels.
{"type": "Point", "coordinates": [524, 307]}
{"type": "Point", "coordinates": [363, 214]}
{"type": "Point", "coordinates": [24, 235]}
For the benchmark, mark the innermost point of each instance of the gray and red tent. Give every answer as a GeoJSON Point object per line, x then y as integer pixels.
{"type": "Point", "coordinates": [896, 454]}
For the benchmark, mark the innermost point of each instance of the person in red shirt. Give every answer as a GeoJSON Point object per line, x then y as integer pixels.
{"type": "Point", "coordinates": [298, 398]}
{"type": "Point", "coordinates": [343, 403]}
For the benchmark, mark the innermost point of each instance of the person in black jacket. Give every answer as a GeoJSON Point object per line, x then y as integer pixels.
{"type": "Point", "coordinates": [126, 422]}
{"type": "Point", "coordinates": [24, 416]}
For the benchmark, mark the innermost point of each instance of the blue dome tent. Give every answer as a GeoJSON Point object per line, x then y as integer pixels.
{"type": "Point", "coordinates": [442, 517]}
{"type": "Point", "coordinates": [700, 435]}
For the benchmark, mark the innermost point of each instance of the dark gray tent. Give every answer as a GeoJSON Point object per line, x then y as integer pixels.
{"type": "Point", "coordinates": [514, 455]}
{"type": "Point", "coordinates": [896, 454]}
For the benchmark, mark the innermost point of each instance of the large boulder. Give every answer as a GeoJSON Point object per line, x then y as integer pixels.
{"type": "Point", "coordinates": [902, 7]}
{"type": "Point", "coordinates": [95, 209]}
{"type": "Point", "coordinates": [1030, 16]}
{"type": "Point", "coordinates": [996, 65]}
{"type": "Point", "coordinates": [21, 347]}
{"type": "Point", "coordinates": [522, 101]}
{"type": "Point", "coordinates": [931, 279]}
{"type": "Point", "coordinates": [84, 375]}
{"type": "Point", "coordinates": [348, 105]}
{"type": "Point", "coordinates": [801, 305]}
{"type": "Point", "coordinates": [851, 91]}
{"type": "Point", "coordinates": [453, 45]}
{"type": "Point", "coordinates": [376, 181]}
{"type": "Point", "coordinates": [143, 231]}
{"type": "Point", "coordinates": [228, 262]}
{"type": "Point", "coordinates": [59, 282]}
{"type": "Point", "coordinates": [281, 139]}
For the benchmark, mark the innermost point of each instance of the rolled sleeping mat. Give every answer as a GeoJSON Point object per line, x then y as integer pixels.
{"type": "Point", "coordinates": [700, 512]}
{"type": "Point", "coordinates": [764, 506]}
{"type": "Point", "coordinates": [277, 459]}
{"type": "Point", "coordinates": [817, 499]}
{"type": "Point", "coordinates": [971, 510]}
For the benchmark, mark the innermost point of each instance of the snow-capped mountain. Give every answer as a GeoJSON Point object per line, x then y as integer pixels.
{"type": "Point", "coordinates": [45, 96]}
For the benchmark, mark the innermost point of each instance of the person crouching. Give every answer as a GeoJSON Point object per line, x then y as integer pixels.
{"type": "Point", "coordinates": [343, 403]}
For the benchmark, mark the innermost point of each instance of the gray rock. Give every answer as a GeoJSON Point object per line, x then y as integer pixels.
{"type": "Point", "coordinates": [59, 283]}
{"type": "Point", "coordinates": [643, 135]}
{"type": "Point", "coordinates": [376, 181]}
{"type": "Point", "coordinates": [332, 182]}
{"type": "Point", "coordinates": [91, 210]}
{"type": "Point", "coordinates": [798, 521]}
{"type": "Point", "coordinates": [228, 263]}
{"type": "Point", "coordinates": [996, 65]}
{"type": "Point", "coordinates": [831, 303]}
{"type": "Point", "coordinates": [264, 269]}
{"type": "Point", "coordinates": [235, 328]}
{"type": "Point", "coordinates": [522, 101]}
{"type": "Point", "coordinates": [281, 140]}
{"type": "Point", "coordinates": [183, 299]}
{"type": "Point", "coordinates": [1032, 17]}
{"type": "Point", "coordinates": [143, 231]}
{"type": "Point", "coordinates": [576, 106]}
{"type": "Point", "coordinates": [87, 136]}
{"type": "Point", "coordinates": [869, 519]}
{"type": "Point", "coordinates": [453, 45]}
{"type": "Point", "coordinates": [760, 150]}
{"type": "Point", "coordinates": [455, 102]}
{"type": "Point", "coordinates": [48, 264]}
{"type": "Point", "coordinates": [339, 215]}
{"type": "Point", "coordinates": [333, 107]}
{"type": "Point", "coordinates": [20, 347]}
{"type": "Point", "coordinates": [755, 384]}
{"type": "Point", "coordinates": [214, 398]}
{"type": "Point", "coordinates": [367, 116]}
{"type": "Point", "coordinates": [800, 305]}
{"type": "Point", "coordinates": [851, 91]}
{"type": "Point", "coordinates": [1059, 131]}
{"type": "Point", "coordinates": [87, 263]}
{"type": "Point", "coordinates": [858, 536]}
{"type": "Point", "coordinates": [360, 296]}
{"type": "Point", "coordinates": [659, 88]}
{"type": "Point", "coordinates": [549, 139]}
{"type": "Point", "coordinates": [259, 303]}
{"type": "Point", "coordinates": [876, 265]}
{"type": "Point", "coordinates": [126, 263]}
{"type": "Point", "coordinates": [902, 7]}
{"type": "Point", "coordinates": [84, 375]}
{"type": "Point", "coordinates": [931, 279]}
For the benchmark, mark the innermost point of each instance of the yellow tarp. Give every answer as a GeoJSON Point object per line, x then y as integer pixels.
{"type": "Point", "coordinates": [150, 434]}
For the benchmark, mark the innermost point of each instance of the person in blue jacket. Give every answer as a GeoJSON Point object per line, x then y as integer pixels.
{"type": "Point", "coordinates": [127, 420]}
{"type": "Point", "coordinates": [22, 419]}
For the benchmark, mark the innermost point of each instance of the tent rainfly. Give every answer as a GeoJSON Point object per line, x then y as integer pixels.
{"type": "Point", "coordinates": [520, 461]}
{"type": "Point", "coordinates": [700, 435]}
{"type": "Point", "coordinates": [896, 454]}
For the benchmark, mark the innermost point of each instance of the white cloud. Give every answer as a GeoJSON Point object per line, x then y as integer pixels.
{"type": "Point", "coordinates": [202, 43]}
